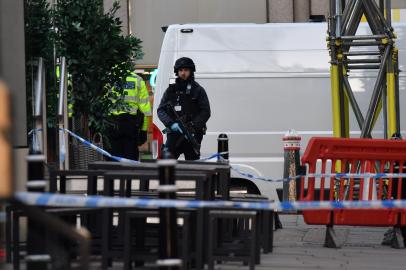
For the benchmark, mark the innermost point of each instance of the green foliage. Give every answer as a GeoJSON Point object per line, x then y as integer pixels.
{"type": "Point", "coordinates": [98, 56]}
{"type": "Point", "coordinates": [38, 26]}
{"type": "Point", "coordinates": [39, 38]}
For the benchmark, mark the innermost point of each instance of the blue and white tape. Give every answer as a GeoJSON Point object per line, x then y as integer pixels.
{"type": "Point", "coordinates": [120, 159]}
{"type": "Point", "coordinates": [98, 149]}
{"type": "Point", "coordinates": [62, 149]}
{"type": "Point", "coordinates": [59, 200]}
{"type": "Point", "coordinates": [216, 155]}
{"type": "Point", "coordinates": [255, 177]}
{"type": "Point", "coordinates": [393, 176]}
{"type": "Point", "coordinates": [85, 142]}
{"type": "Point", "coordinates": [357, 175]}
{"type": "Point", "coordinates": [32, 131]}
{"type": "Point", "coordinates": [35, 140]}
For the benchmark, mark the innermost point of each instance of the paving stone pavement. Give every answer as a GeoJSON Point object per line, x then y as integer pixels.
{"type": "Point", "coordinates": [300, 246]}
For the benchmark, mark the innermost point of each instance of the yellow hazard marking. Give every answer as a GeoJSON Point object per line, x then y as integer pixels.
{"type": "Point", "coordinates": [396, 15]}
{"type": "Point", "coordinates": [391, 104]}
{"type": "Point", "coordinates": [335, 101]}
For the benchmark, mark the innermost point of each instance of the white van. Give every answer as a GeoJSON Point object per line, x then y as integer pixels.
{"type": "Point", "coordinates": [262, 80]}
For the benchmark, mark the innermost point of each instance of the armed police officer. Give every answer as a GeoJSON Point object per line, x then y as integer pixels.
{"type": "Point", "coordinates": [184, 110]}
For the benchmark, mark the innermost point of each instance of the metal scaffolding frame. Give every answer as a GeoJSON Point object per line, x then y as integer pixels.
{"type": "Point", "coordinates": [381, 55]}
{"type": "Point", "coordinates": [350, 52]}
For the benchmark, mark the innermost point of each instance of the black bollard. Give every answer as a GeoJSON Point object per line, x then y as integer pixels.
{"type": "Point", "coordinates": [291, 146]}
{"type": "Point", "coordinates": [36, 251]}
{"type": "Point", "coordinates": [222, 146]}
{"type": "Point", "coordinates": [168, 254]}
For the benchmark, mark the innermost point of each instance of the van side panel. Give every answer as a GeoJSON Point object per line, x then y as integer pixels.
{"type": "Point", "coordinates": [261, 81]}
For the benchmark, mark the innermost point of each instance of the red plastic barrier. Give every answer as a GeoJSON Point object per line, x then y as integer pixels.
{"type": "Point", "coordinates": [338, 155]}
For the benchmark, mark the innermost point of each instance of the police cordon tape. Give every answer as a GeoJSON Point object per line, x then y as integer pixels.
{"type": "Point", "coordinates": [59, 200]}
{"type": "Point", "coordinates": [35, 141]}
{"type": "Point", "coordinates": [107, 154]}
{"type": "Point", "coordinates": [98, 149]}
{"type": "Point", "coordinates": [102, 151]}
{"type": "Point", "coordinates": [254, 177]}
{"type": "Point", "coordinates": [249, 175]}
{"type": "Point", "coordinates": [215, 155]}
{"type": "Point", "coordinates": [394, 176]}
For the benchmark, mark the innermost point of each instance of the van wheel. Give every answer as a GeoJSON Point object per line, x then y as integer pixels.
{"type": "Point", "coordinates": [243, 185]}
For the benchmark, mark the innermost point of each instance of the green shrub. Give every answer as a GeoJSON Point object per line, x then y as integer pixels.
{"type": "Point", "coordinates": [98, 56]}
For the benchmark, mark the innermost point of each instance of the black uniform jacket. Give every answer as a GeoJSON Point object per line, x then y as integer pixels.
{"type": "Point", "coordinates": [191, 103]}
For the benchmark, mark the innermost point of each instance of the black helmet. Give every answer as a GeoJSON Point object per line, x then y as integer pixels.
{"type": "Point", "coordinates": [184, 62]}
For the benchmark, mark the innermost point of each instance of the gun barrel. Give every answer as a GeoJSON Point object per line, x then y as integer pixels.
{"type": "Point", "coordinates": [188, 136]}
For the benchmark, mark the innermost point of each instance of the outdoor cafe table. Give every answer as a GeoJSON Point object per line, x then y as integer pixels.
{"type": "Point", "coordinates": [222, 175]}
{"type": "Point", "coordinates": [204, 191]}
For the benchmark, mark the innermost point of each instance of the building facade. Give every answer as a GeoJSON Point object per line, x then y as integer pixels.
{"type": "Point", "coordinates": [144, 18]}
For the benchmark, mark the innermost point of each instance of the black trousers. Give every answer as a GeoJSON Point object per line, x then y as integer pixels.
{"type": "Point", "coordinates": [123, 136]}
{"type": "Point", "coordinates": [177, 144]}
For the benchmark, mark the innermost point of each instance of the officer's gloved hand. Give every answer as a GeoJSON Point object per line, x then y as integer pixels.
{"type": "Point", "coordinates": [142, 137]}
{"type": "Point", "coordinates": [175, 127]}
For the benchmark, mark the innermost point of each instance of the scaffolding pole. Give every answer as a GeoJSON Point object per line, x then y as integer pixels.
{"type": "Point", "coordinates": [376, 51]}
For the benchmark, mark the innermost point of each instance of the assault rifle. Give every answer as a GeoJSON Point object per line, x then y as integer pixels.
{"type": "Point", "coordinates": [186, 131]}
